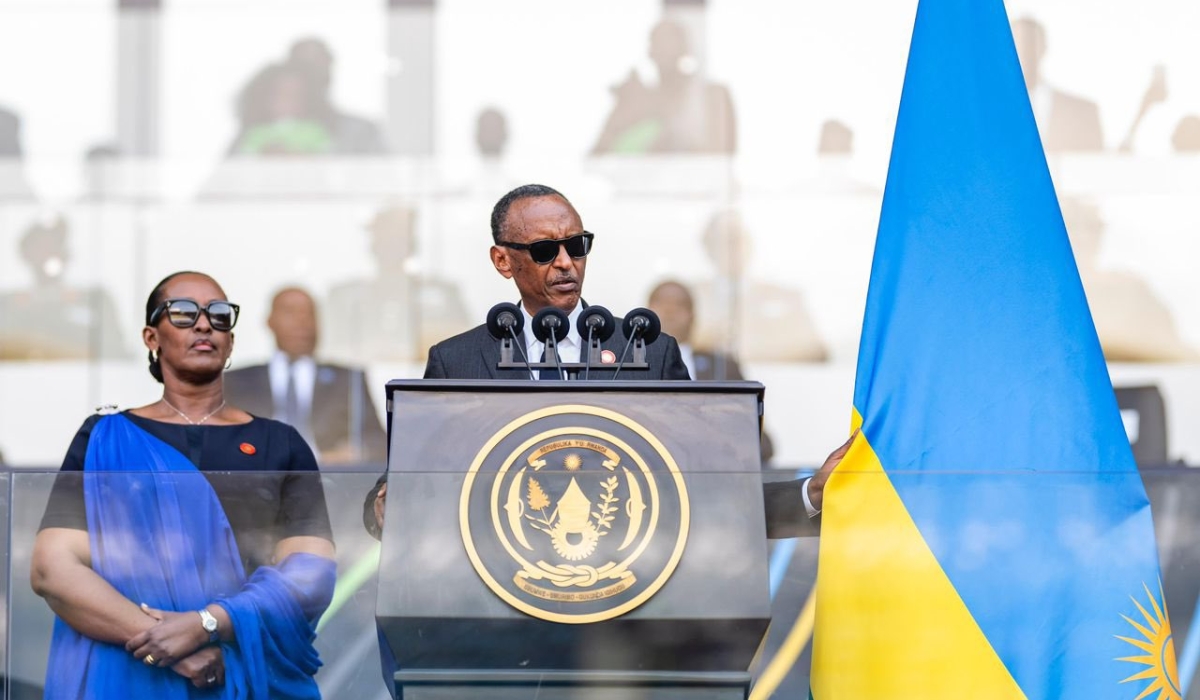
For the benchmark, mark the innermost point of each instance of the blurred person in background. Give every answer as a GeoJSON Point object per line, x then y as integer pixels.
{"type": "Point", "coordinates": [279, 115]}
{"type": "Point", "coordinates": [51, 319]}
{"type": "Point", "coordinates": [756, 321]}
{"type": "Point", "coordinates": [352, 134]}
{"type": "Point", "coordinates": [1134, 325]}
{"type": "Point", "coordinates": [682, 113]}
{"type": "Point", "coordinates": [329, 404]}
{"type": "Point", "coordinates": [168, 559]}
{"type": "Point", "coordinates": [287, 109]}
{"type": "Point", "coordinates": [397, 314]}
{"type": "Point", "coordinates": [672, 301]}
{"type": "Point", "coordinates": [491, 133]}
{"type": "Point", "coordinates": [1066, 122]}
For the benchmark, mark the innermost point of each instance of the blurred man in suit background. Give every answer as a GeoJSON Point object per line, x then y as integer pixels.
{"type": "Point", "coordinates": [672, 301]}
{"type": "Point", "coordinates": [329, 404]}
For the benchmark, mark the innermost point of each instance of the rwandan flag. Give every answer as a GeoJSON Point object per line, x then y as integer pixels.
{"type": "Point", "coordinates": [987, 535]}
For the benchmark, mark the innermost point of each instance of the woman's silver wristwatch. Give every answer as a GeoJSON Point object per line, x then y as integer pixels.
{"type": "Point", "coordinates": [209, 623]}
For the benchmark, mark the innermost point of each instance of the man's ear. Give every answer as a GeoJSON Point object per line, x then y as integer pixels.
{"type": "Point", "coordinates": [501, 261]}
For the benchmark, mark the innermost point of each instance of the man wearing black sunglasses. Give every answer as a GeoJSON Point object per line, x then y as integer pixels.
{"type": "Point", "coordinates": [539, 242]}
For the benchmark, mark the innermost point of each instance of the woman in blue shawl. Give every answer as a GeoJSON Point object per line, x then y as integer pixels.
{"type": "Point", "coordinates": [186, 547]}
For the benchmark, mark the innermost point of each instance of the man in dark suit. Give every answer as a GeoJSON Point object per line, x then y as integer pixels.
{"type": "Point", "coordinates": [328, 404]}
{"type": "Point", "coordinates": [539, 242]}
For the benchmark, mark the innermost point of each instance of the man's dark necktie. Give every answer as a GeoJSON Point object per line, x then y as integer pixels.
{"type": "Point", "coordinates": [550, 373]}
{"type": "Point", "coordinates": [297, 417]}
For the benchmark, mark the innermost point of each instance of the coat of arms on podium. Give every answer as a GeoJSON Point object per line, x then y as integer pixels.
{"type": "Point", "coordinates": [574, 514]}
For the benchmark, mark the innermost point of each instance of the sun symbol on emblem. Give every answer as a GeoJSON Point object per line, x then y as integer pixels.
{"type": "Point", "coordinates": [572, 462]}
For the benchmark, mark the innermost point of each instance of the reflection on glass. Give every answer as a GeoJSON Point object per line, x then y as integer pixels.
{"type": "Point", "coordinates": [683, 112]}
{"type": "Point", "coordinates": [51, 319]}
{"type": "Point", "coordinates": [1066, 122]}
{"type": "Point", "coordinates": [346, 639]}
{"type": "Point", "coordinates": [397, 314]}
{"type": "Point", "coordinates": [286, 109]}
{"type": "Point", "coordinates": [1133, 323]}
{"type": "Point", "coordinates": [673, 303]}
{"type": "Point", "coordinates": [754, 319]}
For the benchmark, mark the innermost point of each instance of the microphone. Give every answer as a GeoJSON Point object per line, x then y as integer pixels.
{"type": "Point", "coordinates": [505, 321]}
{"type": "Point", "coordinates": [644, 323]}
{"type": "Point", "coordinates": [595, 323]}
{"type": "Point", "coordinates": [640, 324]}
{"type": "Point", "coordinates": [550, 325]}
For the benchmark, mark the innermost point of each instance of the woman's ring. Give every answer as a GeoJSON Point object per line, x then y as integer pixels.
{"type": "Point", "coordinates": [148, 659]}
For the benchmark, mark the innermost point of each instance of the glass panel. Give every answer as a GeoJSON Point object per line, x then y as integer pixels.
{"type": "Point", "coordinates": [348, 641]}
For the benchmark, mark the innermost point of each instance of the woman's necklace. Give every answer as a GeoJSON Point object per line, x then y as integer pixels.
{"type": "Point", "coordinates": [189, 420]}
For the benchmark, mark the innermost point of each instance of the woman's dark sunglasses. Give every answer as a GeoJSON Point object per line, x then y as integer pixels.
{"type": "Point", "coordinates": [546, 250]}
{"type": "Point", "coordinates": [183, 313]}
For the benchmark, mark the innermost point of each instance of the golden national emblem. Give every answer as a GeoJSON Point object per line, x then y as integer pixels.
{"type": "Point", "coordinates": [574, 514]}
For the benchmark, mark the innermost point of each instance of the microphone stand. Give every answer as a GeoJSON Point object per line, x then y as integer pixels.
{"type": "Point", "coordinates": [587, 366]}
{"type": "Point", "coordinates": [552, 346]}
{"type": "Point", "coordinates": [628, 342]}
{"type": "Point", "coordinates": [517, 344]}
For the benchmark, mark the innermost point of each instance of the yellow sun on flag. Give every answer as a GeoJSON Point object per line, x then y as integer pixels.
{"type": "Point", "coordinates": [1159, 657]}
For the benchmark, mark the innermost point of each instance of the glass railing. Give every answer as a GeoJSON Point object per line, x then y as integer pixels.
{"type": "Point", "coordinates": [469, 593]}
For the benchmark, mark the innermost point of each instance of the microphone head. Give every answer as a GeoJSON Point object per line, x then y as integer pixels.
{"type": "Point", "coordinates": [643, 322]}
{"type": "Point", "coordinates": [505, 318]}
{"type": "Point", "coordinates": [551, 321]}
{"type": "Point", "coordinates": [597, 319]}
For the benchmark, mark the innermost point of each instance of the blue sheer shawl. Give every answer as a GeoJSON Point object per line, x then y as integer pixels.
{"type": "Point", "coordinates": [160, 537]}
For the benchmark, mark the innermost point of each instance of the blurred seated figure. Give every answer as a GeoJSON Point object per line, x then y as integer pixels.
{"type": "Point", "coordinates": [279, 115]}
{"type": "Point", "coordinates": [1133, 323]}
{"type": "Point", "coordinates": [1066, 122]}
{"type": "Point", "coordinates": [758, 321]}
{"type": "Point", "coordinates": [52, 320]}
{"type": "Point", "coordinates": [672, 301]}
{"type": "Point", "coordinates": [352, 134]}
{"type": "Point", "coordinates": [286, 109]}
{"type": "Point", "coordinates": [399, 313]}
{"type": "Point", "coordinates": [329, 405]}
{"type": "Point", "coordinates": [682, 113]}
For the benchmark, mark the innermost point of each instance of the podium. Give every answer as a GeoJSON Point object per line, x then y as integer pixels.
{"type": "Point", "coordinates": [573, 540]}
